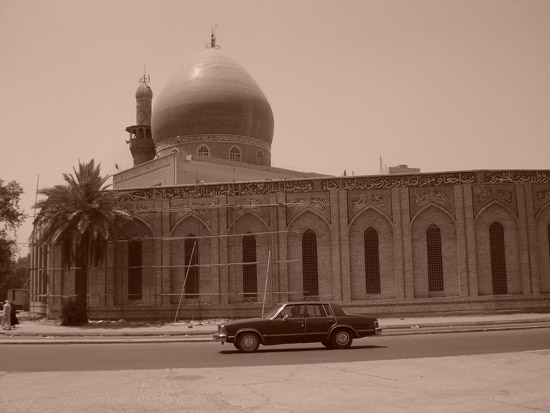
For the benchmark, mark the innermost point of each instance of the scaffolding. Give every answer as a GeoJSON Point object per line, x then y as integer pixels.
{"type": "Point", "coordinates": [48, 274]}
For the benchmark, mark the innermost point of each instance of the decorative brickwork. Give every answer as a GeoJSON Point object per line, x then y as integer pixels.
{"type": "Point", "coordinates": [333, 184]}
{"type": "Point", "coordinates": [180, 208]}
{"type": "Point", "coordinates": [214, 190]}
{"type": "Point", "coordinates": [517, 177]}
{"type": "Point", "coordinates": [401, 181]}
{"type": "Point", "coordinates": [483, 195]}
{"type": "Point", "coordinates": [239, 206]}
{"type": "Point", "coordinates": [144, 210]}
{"type": "Point", "coordinates": [441, 196]}
{"type": "Point", "coordinates": [319, 202]}
{"type": "Point", "coordinates": [379, 199]}
{"type": "Point", "coordinates": [231, 139]}
{"type": "Point", "coordinates": [541, 196]}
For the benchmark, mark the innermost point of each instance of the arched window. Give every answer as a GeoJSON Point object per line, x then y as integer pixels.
{"type": "Point", "coordinates": [250, 268]}
{"type": "Point", "coordinates": [498, 258]}
{"type": "Point", "coordinates": [203, 151]}
{"type": "Point", "coordinates": [372, 261]}
{"type": "Point", "coordinates": [134, 271]}
{"type": "Point", "coordinates": [309, 264]}
{"type": "Point", "coordinates": [260, 158]}
{"type": "Point", "coordinates": [235, 154]}
{"type": "Point", "coordinates": [435, 259]}
{"type": "Point", "coordinates": [191, 266]}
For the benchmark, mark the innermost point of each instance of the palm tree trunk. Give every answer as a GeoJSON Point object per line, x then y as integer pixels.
{"type": "Point", "coordinates": [82, 291]}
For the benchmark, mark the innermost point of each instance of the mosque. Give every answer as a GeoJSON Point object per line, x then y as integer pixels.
{"type": "Point", "coordinates": [220, 232]}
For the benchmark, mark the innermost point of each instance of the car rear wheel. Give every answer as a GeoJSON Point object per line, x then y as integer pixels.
{"type": "Point", "coordinates": [326, 344]}
{"type": "Point", "coordinates": [248, 342]}
{"type": "Point", "coordinates": [341, 338]}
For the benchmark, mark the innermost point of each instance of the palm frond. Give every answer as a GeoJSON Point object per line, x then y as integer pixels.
{"type": "Point", "coordinates": [79, 215]}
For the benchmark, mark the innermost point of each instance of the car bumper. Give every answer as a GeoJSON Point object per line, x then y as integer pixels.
{"type": "Point", "coordinates": [377, 331]}
{"type": "Point", "coordinates": [219, 337]}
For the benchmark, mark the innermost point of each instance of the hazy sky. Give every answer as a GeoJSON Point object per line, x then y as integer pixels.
{"type": "Point", "coordinates": [435, 84]}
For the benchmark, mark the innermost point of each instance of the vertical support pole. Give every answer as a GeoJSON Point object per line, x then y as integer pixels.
{"type": "Point", "coordinates": [266, 279]}
{"type": "Point", "coordinates": [185, 280]}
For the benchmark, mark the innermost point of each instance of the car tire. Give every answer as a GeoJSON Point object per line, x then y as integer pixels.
{"type": "Point", "coordinates": [341, 338]}
{"type": "Point", "coordinates": [248, 342]}
{"type": "Point", "coordinates": [326, 344]}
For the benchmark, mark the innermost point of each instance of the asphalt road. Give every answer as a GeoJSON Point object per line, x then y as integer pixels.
{"type": "Point", "coordinates": [145, 356]}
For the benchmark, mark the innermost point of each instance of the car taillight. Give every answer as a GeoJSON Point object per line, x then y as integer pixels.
{"type": "Point", "coordinates": [376, 324]}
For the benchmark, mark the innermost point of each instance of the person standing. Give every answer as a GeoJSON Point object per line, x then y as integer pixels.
{"type": "Point", "coordinates": [14, 319]}
{"type": "Point", "coordinates": [6, 322]}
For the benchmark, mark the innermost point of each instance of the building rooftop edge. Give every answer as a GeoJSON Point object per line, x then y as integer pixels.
{"type": "Point", "coordinates": [348, 178]}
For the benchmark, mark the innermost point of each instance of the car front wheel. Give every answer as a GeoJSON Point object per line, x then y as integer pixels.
{"type": "Point", "coordinates": [248, 342]}
{"type": "Point", "coordinates": [341, 338]}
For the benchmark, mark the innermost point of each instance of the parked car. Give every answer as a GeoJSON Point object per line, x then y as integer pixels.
{"type": "Point", "coordinates": [298, 322]}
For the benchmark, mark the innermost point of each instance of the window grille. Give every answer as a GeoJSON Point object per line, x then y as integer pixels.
{"type": "Point", "coordinates": [191, 267]}
{"type": "Point", "coordinates": [372, 261]}
{"type": "Point", "coordinates": [435, 259]}
{"type": "Point", "coordinates": [260, 158]}
{"type": "Point", "coordinates": [235, 154]}
{"type": "Point", "coordinates": [135, 282]}
{"type": "Point", "coordinates": [250, 268]}
{"type": "Point", "coordinates": [309, 264]}
{"type": "Point", "coordinates": [203, 151]}
{"type": "Point", "coordinates": [498, 258]}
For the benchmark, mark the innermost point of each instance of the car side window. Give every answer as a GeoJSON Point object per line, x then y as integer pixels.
{"type": "Point", "coordinates": [328, 310]}
{"type": "Point", "coordinates": [293, 311]}
{"type": "Point", "coordinates": [316, 310]}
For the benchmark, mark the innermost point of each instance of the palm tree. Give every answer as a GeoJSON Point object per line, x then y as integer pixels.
{"type": "Point", "coordinates": [80, 216]}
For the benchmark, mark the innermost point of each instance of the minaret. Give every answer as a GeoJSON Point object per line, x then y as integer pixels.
{"type": "Point", "coordinates": [141, 142]}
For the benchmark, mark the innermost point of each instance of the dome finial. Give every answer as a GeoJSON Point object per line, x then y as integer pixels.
{"type": "Point", "coordinates": [145, 79]}
{"type": "Point", "coordinates": [212, 44]}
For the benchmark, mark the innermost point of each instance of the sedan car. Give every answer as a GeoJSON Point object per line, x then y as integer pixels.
{"type": "Point", "coordinates": [298, 322]}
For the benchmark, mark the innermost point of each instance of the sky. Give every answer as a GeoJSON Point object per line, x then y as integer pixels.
{"type": "Point", "coordinates": [441, 85]}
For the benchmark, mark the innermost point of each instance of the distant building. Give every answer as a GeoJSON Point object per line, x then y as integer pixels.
{"type": "Point", "coordinates": [399, 169]}
{"type": "Point", "coordinates": [223, 233]}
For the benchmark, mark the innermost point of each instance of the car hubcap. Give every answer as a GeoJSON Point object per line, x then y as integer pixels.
{"type": "Point", "coordinates": [248, 342]}
{"type": "Point", "coordinates": [342, 338]}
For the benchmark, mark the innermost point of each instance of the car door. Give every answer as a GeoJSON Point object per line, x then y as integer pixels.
{"type": "Point", "coordinates": [289, 326]}
{"type": "Point", "coordinates": [319, 320]}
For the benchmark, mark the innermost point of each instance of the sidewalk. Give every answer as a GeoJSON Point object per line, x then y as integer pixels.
{"type": "Point", "coordinates": [46, 331]}
{"type": "Point", "coordinates": [501, 382]}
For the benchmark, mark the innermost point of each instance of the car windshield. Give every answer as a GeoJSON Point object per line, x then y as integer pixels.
{"type": "Point", "coordinates": [271, 313]}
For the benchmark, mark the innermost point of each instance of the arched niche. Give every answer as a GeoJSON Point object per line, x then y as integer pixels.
{"type": "Point", "coordinates": [372, 218]}
{"type": "Point", "coordinates": [432, 216]}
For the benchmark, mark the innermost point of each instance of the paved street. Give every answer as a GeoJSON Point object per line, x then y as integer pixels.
{"type": "Point", "coordinates": [497, 371]}
{"type": "Point", "coordinates": [142, 356]}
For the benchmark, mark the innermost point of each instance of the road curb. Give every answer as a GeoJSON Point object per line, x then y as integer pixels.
{"type": "Point", "coordinates": [205, 337]}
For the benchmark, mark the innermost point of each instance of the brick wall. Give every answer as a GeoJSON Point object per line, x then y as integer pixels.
{"type": "Point", "coordinates": [339, 218]}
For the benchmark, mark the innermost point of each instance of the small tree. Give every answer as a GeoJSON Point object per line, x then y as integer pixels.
{"type": "Point", "coordinates": [79, 216]}
{"type": "Point", "coordinates": [11, 218]}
